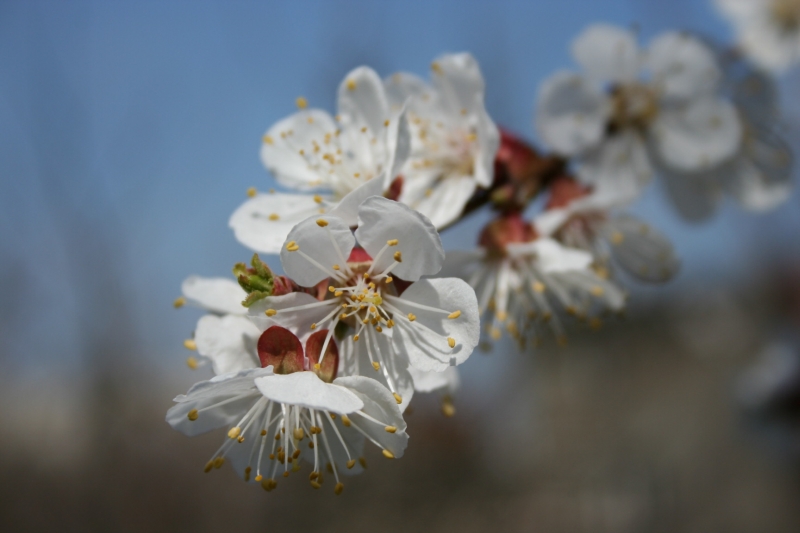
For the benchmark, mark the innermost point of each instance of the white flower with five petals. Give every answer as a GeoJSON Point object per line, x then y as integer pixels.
{"type": "Point", "coordinates": [632, 110]}
{"type": "Point", "coordinates": [453, 139]}
{"type": "Point", "coordinates": [431, 325]}
{"type": "Point", "coordinates": [343, 163]}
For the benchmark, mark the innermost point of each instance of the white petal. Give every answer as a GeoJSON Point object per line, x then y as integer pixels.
{"type": "Point", "coordinates": [460, 83]}
{"type": "Point", "coordinates": [553, 257]}
{"type": "Point", "coordinates": [218, 295]}
{"type": "Point", "coordinates": [228, 341]}
{"type": "Point", "coordinates": [401, 86]}
{"type": "Point", "coordinates": [347, 208]}
{"type": "Point", "coordinates": [489, 143]}
{"type": "Point", "coordinates": [447, 380]}
{"type": "Point", "coordinates": [362, 100]}
{"type": "Point", "coordinates": [607, 53]}
{"type": "Point", "coordinates": [356, 360]}
{"type": "Point", "coordinates": [280, 151]}
{"type": "Point", "coordinates": [761, 177]}
{"type": "Point", "coordinates": [307, 390]}
{"type": "Point", "coordinates": [640, 250]}
{"type": "Point", "coordinates": [262, 223]}
{"type": "Point", "coordinates": [699, 136]}
{"type": "Point", "coordinates": [444, 202]}
{"type": "Point", "coordinates": [601, 200]}
{"type": "Point", "coordinates": [293, 320]}
{"type": "Point", "coordinates": [619, 162]}
{"type": "Point", "coordinates": [380, 405]}
{"type": "Point", "coordinates": [321, 247]}
{"type": "Point", "coordinates": [770, 47]}
{"type": "Point", "coordinates": [682, 66]}
{"type": "Point", "coordinates": [571, 113]}
{"type": "Point", "coordinates": [381, 220]}
{"type": "Point", "coordinates": [425, 340]}
{"type": "Point", "coordinates": [211, 392]}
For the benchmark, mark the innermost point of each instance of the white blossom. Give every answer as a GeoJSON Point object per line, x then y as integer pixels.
{"type": "Point", "coordinates": [339, 165]}
{"type": "Point", "coordinates": [453, 139]}
{"type": "Point", "coordinates": [431, 325]}
{"type": "Point", "coordinates": [631, 111]}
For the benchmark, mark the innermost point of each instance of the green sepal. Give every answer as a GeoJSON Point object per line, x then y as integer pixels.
{"type": "Point", "coordinates": [257, 281]}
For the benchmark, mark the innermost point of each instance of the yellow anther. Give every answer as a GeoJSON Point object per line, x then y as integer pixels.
{"type": "Point", "coordinates": [338, 488]}
{"type": "Point", "coordinates": [333, 416]}
{"type": "Point", "coordinates": [338, 293]}
{"type": "Point", "coordinates": [346, 421]}
{"type": "Point", "coordinates": [390, 429]}
{"type": "Point", "coordinates": [378, 329]}
{"type": "Point", "coordinates": [321, 222]}
{"type": "Point", "coordinates": [292, 246]}
{"type": "Point", "coordinates": [617, 238]}
{"type": "Point", "coordinates": [218, 462]}
{"type": "Point", "coordinates": [179, 302]}
{"type": "Point", "coordinates": [390, 323]}
{"type": "Point", "coordinates": [397, 398]}
{"type": "Point", "coordinates": [436, 67]}
{"type": "Point", "coordinates": [398, 256]}
{"type": "Point", "coordinates": [538, 286]}
{"type": "Point", "coordinates": [192, 415]}
{"type": "Point", "coordinates": [316, 485]}
{"type": "Point", "coordinates": [331, 288]}
{"type": "Point", "coordinates": [234, 432]}
{"type": "Point", "coordinates": [495, 333]}
{"type": "Point", "coordinates": [247, 473]}
{"type": "Point", "coordinates": [274, 216]}
{"type": "Point", "coordinates": [351, 463]}
{"type": "Point", "coordinates": [263, 432]}
{"type": "Point", "coordinates": [286, 474]}
{"type": "Point", "coordinates": [376, 365]}
{"type": "Point", "coordinates": [366, 276]}
{"type": "Point", "coordinates": [296, 454]}
{"type": "Point", "coordinates": [301, 102]}
{"type": "Point", "coordinates": [357, 174]}
{"type": "Point", "coordinates": [472, 137]}
{"type": "Point", "coordinates": [451, 342]}
{"type": "Point", "coordinates": [191, 362]}
{"type": "Point", "coordinates": [259, 478]}
{"type": "Point", "coordinates": [270, 312]}
{"type": "Point", "coordinates": [351, 84]}
{"type": "Point", "coordinates": [336, 267]}
{"type": "Point", "coordinates": [251, 192]}
{"type": "Point", "coordinates": [209, 466]}
{"type": "Point", "coordinates": [189, 344]}
{"type": "Point", "coordinates": [454, 314]}
{"type": "Point", "coordinates": [448, 409]}
{"type": "Point", "coordinates": [388, 279]}
{"type": "Point", "coordinates": [267, 139]}
{"type": "Point", "coordinates": [412, 317]}
{"type": "Point", "coordinates": [343, 316]}
{"type": "Point", "coordinates": [298, 433]}
{"type": "Point", "coordinates": [364, 129]}
{"type": "Point", "coordinates": [597, 290]}
{"type": "Point", "coordinates": [355, 338]}
{"type": "Point", "coordinates": [501, 316]}
{"type": "Point", "coordinates": [388, 454]}
{"type": "Point", "coordinates": [318, 198]}
{"type": "Point", "coordinates": [240, 439]}
{"type": "Point", "coordinates": [428, 193]}
{"type": "Point", "coordinates": [317, 366]}
{"type": "Point", "coordinates": [311, 444]}
{"type": "Point", "coordinates": [363, 462]}
{"type": "Point", "coordinates": [314, 325]}
{"type": "Point", "coordinates": [392, 242]}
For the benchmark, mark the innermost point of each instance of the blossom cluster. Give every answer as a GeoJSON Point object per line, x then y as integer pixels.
{"type": "Point", "coordinates": [312, 365]}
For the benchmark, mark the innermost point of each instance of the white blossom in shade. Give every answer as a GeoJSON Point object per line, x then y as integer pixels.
{"type": "Point", "coordinates": [453, 139]}
{"type": "Point", "coordinates": [224, 337]}
{"type": "Point", "coordinates": [275, 419]}
{"type": "Point", "coordinates": [587, 219]}
{"type": "Point", "coordinates": [338, 166]}
{"type": "Point", "coordinates": [523, 280]}
{"type": "Point", "coordinates": [632, 109]}
{"type": "Point", "coordinates": [768, 30]}
{"type": "Point", "coordinates": [431, 325]}
{"type": "Point", "coordinates": [759, 176]}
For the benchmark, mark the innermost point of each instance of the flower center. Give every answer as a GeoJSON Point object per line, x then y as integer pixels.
{"type": "Point", "coordinates": [786, 14]}
{"type": "Point", "coordinates": [634, 105]}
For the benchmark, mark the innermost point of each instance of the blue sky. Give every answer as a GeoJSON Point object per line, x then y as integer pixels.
{"type": "Point", "coordinates": [129, 131]}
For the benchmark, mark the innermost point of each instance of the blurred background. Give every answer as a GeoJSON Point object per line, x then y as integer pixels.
{"type": "Point", "coordinates": [129, 132]}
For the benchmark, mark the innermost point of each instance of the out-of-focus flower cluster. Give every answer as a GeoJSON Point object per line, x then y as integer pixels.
{"type": "Point", "coordinates": [312, 365]}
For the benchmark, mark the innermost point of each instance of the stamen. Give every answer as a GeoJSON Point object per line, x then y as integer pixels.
{"type": "Point", "coordinates": [190, 344]}
{"type": "Point", "coordinates": [451, 342]}
{"type": "Point", "coordinates": [292, 246]}
{"type": "Point", "coordinates": [179, 302]}
{"type": "Point", "coordinates": [454, 314]}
